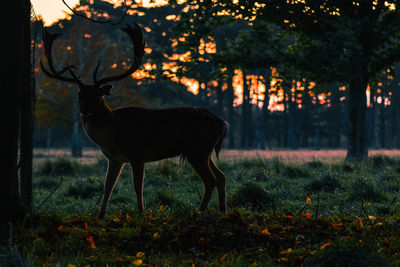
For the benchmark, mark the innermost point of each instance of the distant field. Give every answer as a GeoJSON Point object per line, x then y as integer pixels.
{"type": "Point", "coordinates": [91, 155]}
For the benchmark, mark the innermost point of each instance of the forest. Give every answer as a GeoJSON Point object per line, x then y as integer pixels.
{"type": "Point", "coordinates": [283, 76]}
{"type": "Point", "coordinates": [282, 103]}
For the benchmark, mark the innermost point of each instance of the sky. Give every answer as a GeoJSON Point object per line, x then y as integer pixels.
{"type": "Point", "coordinates": [52, 10]}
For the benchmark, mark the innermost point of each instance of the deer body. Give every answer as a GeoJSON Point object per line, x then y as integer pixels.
{"type": "Point", "coordinates": [138, 135]}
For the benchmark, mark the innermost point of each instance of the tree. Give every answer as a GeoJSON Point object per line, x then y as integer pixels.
{"type": "Point", "coordinates": [353, 41]}
{"type": "Point", "coordinates": [332, 40]}
{"type": "Point", "coordinates": [15, 48]}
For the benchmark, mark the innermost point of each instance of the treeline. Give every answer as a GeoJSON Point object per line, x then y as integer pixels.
{"type": "Point", "coordinates": [270, 103]}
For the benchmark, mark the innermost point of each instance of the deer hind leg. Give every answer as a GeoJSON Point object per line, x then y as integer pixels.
{"type": "Point", "coordinates": [221, 180]}
{"type": "Point", "coordinates": [138, 176]}
{"type": "Point", "coordinates": [202, 167]}
{"type": "Point", "coordinates": [113, 170]}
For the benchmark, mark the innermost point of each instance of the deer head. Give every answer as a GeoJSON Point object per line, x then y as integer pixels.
{"type": "Point", "coordinates": [90, 94]}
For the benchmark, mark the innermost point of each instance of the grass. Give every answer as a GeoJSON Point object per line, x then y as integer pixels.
{"type": "Point", "coordinates": [284, 213]}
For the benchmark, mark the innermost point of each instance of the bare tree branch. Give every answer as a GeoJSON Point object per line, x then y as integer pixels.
{"type": "Point", "coordinates": [98, 21]}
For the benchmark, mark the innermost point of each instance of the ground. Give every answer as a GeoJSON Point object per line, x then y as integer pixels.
{"type": "Point", "coordinates": [285, 208]}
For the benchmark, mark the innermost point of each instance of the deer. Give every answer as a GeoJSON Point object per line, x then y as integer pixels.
{"type": "Point", "coordinates": [137, 135]}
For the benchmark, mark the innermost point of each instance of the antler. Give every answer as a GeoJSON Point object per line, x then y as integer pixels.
{"type": "Point", "coordinates": [138, 43]}
{"type": "Point", "coordinates": [48, 40]}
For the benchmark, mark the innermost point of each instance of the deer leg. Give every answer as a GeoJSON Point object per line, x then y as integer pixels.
{"type": "Point", "coordinates": [220, 177]}
{"type": "Point", "coordinates": [202, 167]}
{"type": "Point", "coordinates": [138, 176]}
{"type": "Point", "coordinates": [113, 170]}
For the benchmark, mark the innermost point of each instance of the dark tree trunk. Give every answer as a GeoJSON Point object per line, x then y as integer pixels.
{"type": "Point", "coordinates": [375, 123]}
{"type": "Point", "coordinates": [357, 140]}
{"type": "Point", "coordinates": [335, 110]}
{"type": "Point", "coordinates": [12, 80]}
{"type": "Point", "coordinates": [246, 116]}
{"type": "Point", "coordinates": [382, 125]}
{"type": "Point", "coordinates": [220, 100]}
{"type": "Point", "coordinates": [265, 111]}
{"type": "Point", "coordinates": [27, 115]}
{"type": "Point", "coordinates": [76, 138]}
{"type": "Point", "coordinates": [231, 114]}
{"type": "Point", "coordinates": [396, 105]}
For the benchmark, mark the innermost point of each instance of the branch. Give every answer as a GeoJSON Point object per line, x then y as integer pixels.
{"type": "Point", "coordinates": [391, 57]}
{"type": "Point", "coordinates": [98, 21]}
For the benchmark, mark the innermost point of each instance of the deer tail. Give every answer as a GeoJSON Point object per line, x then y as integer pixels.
{"type": "Point", "coordinates": [219, 143]}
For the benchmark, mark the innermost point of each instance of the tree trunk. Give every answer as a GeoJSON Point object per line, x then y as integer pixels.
{"type": "Point", "coordinates": [382, 125]}
{"type": "Point", "coordinates": [11, 81]}
{"type": "Point", "coordinates": [357, 140]}
{"type": "Point", "coordinates": [220, 100]}
{"type": "Point", "coordinates": [231, 114]}
{"type": "Point", "coordinates": [76, 138]}
{"type": "Point", "coordinates": [396, 105]}
{"type": "Point", "coordinates": [265, 111]}
{"type": "Point", "coordinates": [27, 114]}
{"type": "Point", "coordinates": [246, 117]}
{"type": "Point", "coordinates": [375, 124]}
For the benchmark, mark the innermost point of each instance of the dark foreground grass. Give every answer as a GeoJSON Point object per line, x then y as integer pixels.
{"type": "Point", "coordinates": [280, 214]}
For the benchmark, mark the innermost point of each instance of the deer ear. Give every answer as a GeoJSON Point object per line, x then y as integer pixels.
{"type": "Point", "coordinates": [105, 89]}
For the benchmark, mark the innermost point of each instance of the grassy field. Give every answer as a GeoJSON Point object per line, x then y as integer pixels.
{"type": "Point", "coordinates": [285, 208]}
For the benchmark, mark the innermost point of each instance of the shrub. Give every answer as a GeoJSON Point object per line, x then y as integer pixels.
{"type": "Point", "coordinates": [295, 172]}
{"type": "Point", "coordinates": [58, 167]}
{"type": "Point", "coordinates": [327, 183]}
{"type": "Point", "coordinates": [253, 196]}
{"type": "Point", "coordinates": [277, 165]}
{"type": "Point", "coordinates": [380, 161]}
{"type": "Point", "coordinates": [47, 182]}
{"type": "Point", "coordinates": [260, 175]}
{"type": "Point", "coordinates": [315, 164]}
{"type": "Point", "coordinates": [348, 256]}
{"type": "Point", "coordinates": [248, 164]}
{"type": "Point", "coordinates": [167, 168]}
{"type": "Point", "coordinates": [349, 167]}
{"type": "Point", "coordinates": [361, 190]}
{"type": "Point", "coordinates": [85, 188]}
{"type": "Point", "coordinates": [165, 198]}
{"type": "Point", "coordinates": [12, 257]}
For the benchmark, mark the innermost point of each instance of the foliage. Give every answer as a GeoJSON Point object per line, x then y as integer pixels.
{"type": "Point", "coordinates": [253, 196]}
{"type": "Point", "coordinates": [308, 219]}
{"type": "Point", "coordinates": [184, 237]}
{"type": "Point", "coordinates": [355, 255]}
{"type": "Point", "coordinates": [327, 183]}
{"type": "Point", "coordinates": [58, 167]}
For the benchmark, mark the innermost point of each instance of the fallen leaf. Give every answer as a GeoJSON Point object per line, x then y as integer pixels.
{"type": "Point", "coordinates": [140, 254]}
{"type": "Point", "coordinates": [325, 245]}
{"type": "Point", "coordinates": [224, 256]}
{"type": "Point", "coordinates": [265, 232]}
{"type": "Point", "coordinates": [156, 235]}
{"type": "Point", "coordinates": [137, 262]}
{"type": "Point", "coordinates": [91, 241]}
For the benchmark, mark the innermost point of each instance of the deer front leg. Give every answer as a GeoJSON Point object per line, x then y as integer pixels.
{"type": "Point", "coordinates": [138, 176]}
{"type": "Point", "coordinates": [113, 170]}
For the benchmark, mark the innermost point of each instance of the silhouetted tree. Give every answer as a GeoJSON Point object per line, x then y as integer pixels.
{"type": "Point", "coordinates": [15, 49]}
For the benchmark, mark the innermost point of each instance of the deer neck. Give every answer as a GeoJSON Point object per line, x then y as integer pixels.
{"type": "Point", "coordinates": [99, 114]}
